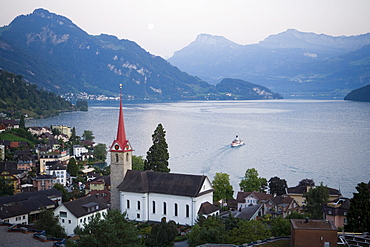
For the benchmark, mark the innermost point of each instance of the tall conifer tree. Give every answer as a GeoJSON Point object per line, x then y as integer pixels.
{"type": "Point", "coordinates": [157, 156]}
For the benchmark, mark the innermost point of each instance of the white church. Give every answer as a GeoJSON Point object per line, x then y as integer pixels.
{"type": "Point", "coordinates": [150, 196]}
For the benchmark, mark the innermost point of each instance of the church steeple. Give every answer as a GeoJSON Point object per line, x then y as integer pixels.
{"type": "Point", "coordinates": [120, 144]}
{"type": "Point", "coordinates": [121, 158]}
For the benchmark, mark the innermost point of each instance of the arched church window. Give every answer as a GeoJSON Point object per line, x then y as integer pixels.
{"type": "Point", "coordinates": [128, 203]}
{"type": "Point", "coordinates": [127, 157]}
{"type": "Point", "coordinates": [138, 205]}
{"type": "Point", "coordinates": [187, 211]}
{"type": "Point", "coordinates": [117, 159]}
{"type": "Point", "coordinates": [176, 209]}
{"type": "Point", "coordinates": [164, 208]}
{"type": "Point", "coordinates": [153, 207]}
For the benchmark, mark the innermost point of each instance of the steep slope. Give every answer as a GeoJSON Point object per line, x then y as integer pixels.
{"type": "Point", "coordinates": [51, 51]}
{"type": "Point", "coordinates": [291, 62]}
{"type": "Point", "coordinates": [360, 94]}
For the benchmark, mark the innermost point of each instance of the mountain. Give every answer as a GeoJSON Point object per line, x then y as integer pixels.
{"type": "Point", "coordinates": [292, 62]}
{"type": "Point", "coordinates": [18, 97]}
{"type": "Point", "coordinates": [360, 94]}
{"type": "Point", "coordinates": [52, 52]}
{"type": "Point", "coordinates": [239, 89]}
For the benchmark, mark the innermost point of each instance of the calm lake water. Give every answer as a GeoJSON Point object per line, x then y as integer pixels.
{"type": "Point", "coordinates": [328, 141]}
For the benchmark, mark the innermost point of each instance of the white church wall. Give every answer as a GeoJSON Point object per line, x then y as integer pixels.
{"type": "Point", "coordinates": [153, 207]}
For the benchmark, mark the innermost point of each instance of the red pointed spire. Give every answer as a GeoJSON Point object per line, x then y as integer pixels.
{"type": "Point", "coordinates": [121, 144]}
{"type": "Point", "coordinates": [121, 134]}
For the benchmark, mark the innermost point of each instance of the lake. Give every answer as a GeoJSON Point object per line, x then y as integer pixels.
{"type": "Point", "coordinates": [325, 140]}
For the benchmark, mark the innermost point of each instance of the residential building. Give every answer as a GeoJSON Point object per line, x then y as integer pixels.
{"type": "Point", "coordinates": [24, 208]}
{"type": "Point", "coordinates": [75, 213]}
{"type": "Point", "coordinates": [63, 130]}
{"type": "Point", "coordinates": [150, 196]}
{"type": "Point", "coordinates": [25, 160]}
{"type": "Point", "coordinates": [336, 211]}
{"type": "Point", "coordinates": [44, 182]}
{"type": "Point", "coordinates": [308, 233]}
{"type": "Point", "coordinates": [78, 151]}
{"type": "Point", "coordinates": [298, 192]}
{"type": "Point", "coordinates": [252, 212]}
{"type": "Point", "coordinates": [282, 206]}
{"type": "Point", "coordinates": [39, 130]}
{"type": "Point", "coordinates": [246, 199]}
{"type": "Point", "coordinates": [62, 156]}
{"type": "Point", "coordinates": [8, 171]}
{"type": "Point", "coordinates": [2, 151]}
{"type": "Point", "coordinates": [58, 170]}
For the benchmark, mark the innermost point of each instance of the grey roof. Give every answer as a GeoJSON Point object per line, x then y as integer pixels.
{"type": "Point", "coordinates": [162, 183]}
{"type": "Point", "coordinates": [25, 196]}
{"type": "Point", "coordinates": [12, 210]}
{"type": "Point", "coordinates": [10, 166]}
{"type": "Point", "coordinates": [36, 203]}
{"type": "Point", "coordinates": [79, 207]}
{"type": "Point", "coordinates": [246, 213]}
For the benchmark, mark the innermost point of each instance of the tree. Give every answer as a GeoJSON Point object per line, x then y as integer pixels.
{"type": "Point", "coordinates": [212, 230]}
{"type": "Point", "coordinates": [359, 210]}
{"type": "Point", "coordinates": [88, 135]}
{"type": "Point", "coordinates": [223, 188]}
{"type": "Point", "coordinates": [251, 182]}
{"type": "Point", "coordinates": [157, 156]}
{"type": "Point", "coordinates": [280, 227]}
{"type": "Point", "coordinates": [163, 234]}
{"type": "Point", "coordinates": [100, 152]}
{"type": "Point", "coordinates": [277, 186]}
{"type": "Point", "coordinates": [111, 230]}
{"type": "Point", "coordinates": [72, 167]}
{"type": "Point", "coordinates": [50, 223]}
{"type": "Point", "coordinates": [60, 187]}
{"type": "Point", "coordinates": [306, 182]}
{"type": "Point", "coordinates": [6, 188]}
{"type": "Point", "coordinates": [248, 231]}
{"type": "Point", "coordinates": [315, 199]}
{"type": "Point", "coordinates": [22, 124]}
{"type": "Point", "coordinates": [137, 163]}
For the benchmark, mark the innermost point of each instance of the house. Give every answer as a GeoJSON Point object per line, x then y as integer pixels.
{"type": "Point", "coordinates": [62, 156]}
{"type": "Point", "coordinates": [252, 212]}
{"type": "Point", "coordinates": [24, 208]}
{"type": "Point", "coordinates": [75, 213]}
{"type": "Point", "coordinates": [39, 130]}
{"type": "Point", "coordinates": [62, 129]}
{"type": "Point", "coordinates": [102, 194]}
{"type": "Point", "coordinates": [246, 199]}
{"type": "Point", "coordinates": [25, 160]}
{"type": "Point", "coordinates": [78, 150]}
{"type": "Point", "coordinates": [58, 170]}
{"type": "Point", "coordinates": [336, 211]}
{"type": "Point", "coordinates": [150, 196]}
{"type": "Point", "coordinates": [14, 213]}
{"type": "Point", "coordinates": [44, 182]}
{"type": "Point", "coordinates": [282, 206]}
{"type": "Point", "coordinates": [307, 233]}
{"type": "Point", "coordinates": [97, 184]}
{"type": "Point", "coordinates": [298, 192]}
{"type": "Point", "coordinates": [8, 171]}
{"type": "Point", "coordinates": [8, 124]}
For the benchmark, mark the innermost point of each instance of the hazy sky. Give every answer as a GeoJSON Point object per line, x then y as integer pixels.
{"type": "Point", "coordinates": [164, 26]}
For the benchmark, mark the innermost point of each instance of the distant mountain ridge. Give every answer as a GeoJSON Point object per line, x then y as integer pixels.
{"type": "Point", "coordinates": [290, 62]}
{"type": "Point", "coordinates": [52, 52]}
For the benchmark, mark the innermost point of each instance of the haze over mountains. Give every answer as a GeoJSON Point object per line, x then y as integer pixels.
{"type": "Point", "coordinates": [52, 52]}
{"type": "Point", "coordinates": [290, 62]}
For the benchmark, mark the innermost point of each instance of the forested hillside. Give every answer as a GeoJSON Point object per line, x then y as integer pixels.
{"type": "Point", "coordinates": [18, 97]}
